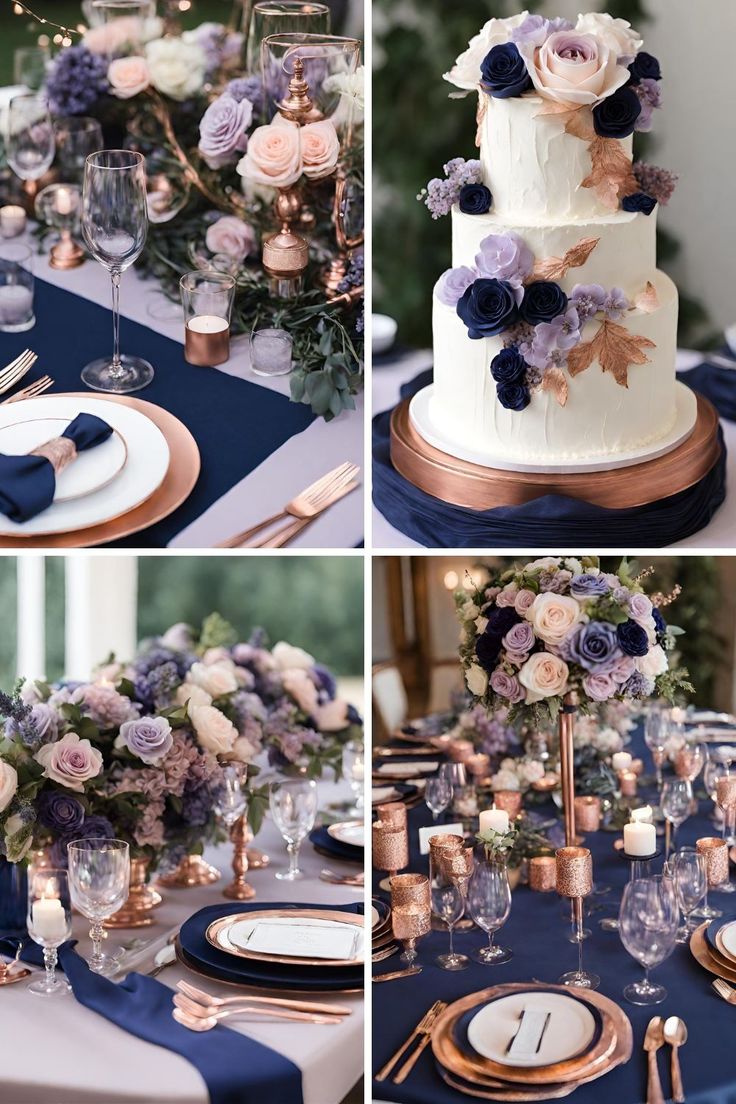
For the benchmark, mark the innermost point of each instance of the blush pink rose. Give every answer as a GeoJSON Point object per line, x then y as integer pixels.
{"type": "Point", "coordinates": [524, 599]}
{"type": "Point", "coordinates": [274, 156]}
{"type": "Point", "coordinates": [553, 616]}
{"type": "Point", "coordinates": [128, 76]}
{"type": "Point", "coordinates": [574, 68]}
{"type": "Point", "coordinates": [300, 687]}
{"type": "Point", "coordinates": [70, 761]}
{"type": "Point", "coordinates": [320, 149]}
{"type": "Point", "coordinates": [332, 716]}
{"type": "Point", "coordinates": [507, 597]}
{"type": "Point", "coordinates": [544, 675]}
{"type": "Point", "coordinates": [231, 236]}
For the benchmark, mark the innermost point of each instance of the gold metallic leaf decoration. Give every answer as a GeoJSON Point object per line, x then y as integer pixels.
{"type": "Point", "coordinates": [611, 174]}
{"type": "Point", "coordinates": [580, 124]}
{"type": "Point", "coordinates": [480, 114]}
{"type": "Point", "coordinates": [614, 348]}
{"type": "Point", "coordinates": [647, 300]}
{"type": "Point", "coordinates": [554, 380]}
{"type": "Point", "coordinates": [554, 268]}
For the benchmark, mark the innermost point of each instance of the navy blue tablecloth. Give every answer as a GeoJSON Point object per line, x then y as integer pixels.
{"type": "Point", "coordinates": [537, 932]}
{"type": "Point", "coordinates": [547, 521]}
{"type": "Point", "coordinates": [716, 383]}
{"type": "Point", "coordinates": [236, 424]}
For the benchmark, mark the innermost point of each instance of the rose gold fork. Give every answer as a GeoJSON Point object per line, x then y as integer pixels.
{"type": "Point", "coordinates": [287, 534]}
{"type": "Point", "coordinates": [203, 1012]}
{"type": "Point", "coordinates": [195, 1023]}
{"type": "Point", "coordinates": [303, 505]}
{"type": "Point", "coordinates": [13, 372]}
{"type": "Point", "coordinates": [210, 1001]}
{"type": "Point", "coordinates": [31, 391]}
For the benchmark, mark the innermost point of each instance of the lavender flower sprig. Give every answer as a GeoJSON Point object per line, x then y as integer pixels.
{"type": "Point", "coordinates": [15, 710]}
{"type": "Point", "coordinates": [440, 195]}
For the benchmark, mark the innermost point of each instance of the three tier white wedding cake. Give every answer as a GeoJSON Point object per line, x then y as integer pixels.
{"type": "Point", "coordinates": [554, 331]}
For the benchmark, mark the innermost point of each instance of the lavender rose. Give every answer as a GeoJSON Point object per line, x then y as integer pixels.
{"type": "Point", "coordinates": [505, 257]}
{"type": "Point", "coordinates": [589, 586]}
{"type": "Point", "coordinates": [60, 812]}
{"type": "Point", "coordinates": [507, 686]}
{"type": "Point", "coordinates": [149, 738]}
{"type": "Point", "coordinates": [520, 638]}
{"type": "Point", "coordinates": [594, 647]}
{"type": "Point", "coordinates": [451, 284]}
{"type": "Point", "coordinates": [640, 609]}
{"type": "Point", "coordinates": [223, 130]}
{"type": "Point", "coordinates": [71, 762]}
{"type": "Point", "coordinates": [599, 687]}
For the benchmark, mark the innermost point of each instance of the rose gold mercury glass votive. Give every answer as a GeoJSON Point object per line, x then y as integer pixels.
{"type": "Point", "coordinates": [478, 765]}
{"type": "Point", "coordinates": [574, 871]}
{"type": "Point", "coordinates": [460, 751]}
{"type": "Point", "coordinates": [627, 781]}
{"type": "Point", "coordinates": [390, 849]}
{"type": "Point", "coordinates": [393, 814]}
{"type": "Point", "coordinates": [410, 889]}
{"type": "Point", "coordinates": [509, 801]}
{"type": "Point", "coordinates": [716, 858]}
{"type": "Point", "coordinates": [543, 873]}
{"type": "Point", "coordinates": [409, 923]}
{"type": "Point", "coordinates": [587, 813]}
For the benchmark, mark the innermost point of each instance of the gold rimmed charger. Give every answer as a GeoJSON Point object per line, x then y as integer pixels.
{"type": "Point", "coordinates": [708, 957]}
{"type": "Point", "coordinates": [221, 926]}
{"type": "Point", "coordinates": [478, 1069]}
{"type": "Point", "coordinates": [177, 485]}
{"type": "Point", "coordinates": [251, 983]}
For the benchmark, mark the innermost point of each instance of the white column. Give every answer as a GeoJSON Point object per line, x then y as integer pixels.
{"type": "Point", "coordinates": [101, 611]}
{"type": "Point", "coordinates": [31, 634]}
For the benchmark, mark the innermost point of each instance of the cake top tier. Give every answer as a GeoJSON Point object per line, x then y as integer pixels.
{"type": "Point", "coordinates": [558, 105]}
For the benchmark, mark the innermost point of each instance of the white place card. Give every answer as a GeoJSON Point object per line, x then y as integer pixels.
{"type": "Point", "coordinates": [301, 939]}
{"type": "Point", "coordinates": [528, 1038]}
{"type": "Point", "coordinates": [407, 770]}
{"type": "Point", "coordinates": [425, 834]}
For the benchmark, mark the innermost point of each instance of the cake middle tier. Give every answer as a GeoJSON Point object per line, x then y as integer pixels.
{"type": "Point", "coordinates": [624, 257]}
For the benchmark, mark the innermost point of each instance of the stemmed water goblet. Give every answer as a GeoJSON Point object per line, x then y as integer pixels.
{"type": "Point", "coordinates": [656, 740]}
{"type": "Point", "coordinates": [437, 795]}
{"type": "Point", "coordinates": [77, 136]}
{"type": "Point", "coordinates": [229, 801]}
{"type": "Point", "coordinates": [448, 905]}
{"type": "Point", "coordinates": [675, 801]}
{"type": "Point", "coordinates": [457, 777]}
{"type": "Point", "coordinates": [691, 885]}
{"type": "Point", "coordinates": [293, 805]}
{"type": "Point", "coordinates": [30, 144]}
{"type": "Point", "coordinates": [114, 226]}
{"type": "Point", "coordinates": [489, 903]}
{"type": "Point", "coordinates": [99, 877]}
{"type": "Point", "coordinates": [353, 767]}
{"type": "Point", "coordinates": [726, 802]}
{"type": "Point", "coordinates": [648, 921]}
{"type": "Point", "coordinates": [49, 925]}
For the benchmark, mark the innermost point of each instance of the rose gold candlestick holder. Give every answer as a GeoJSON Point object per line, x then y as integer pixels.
{"type": "Point", "coordinates": [239, 889]}
{"type": "Point", "coordinates": [191, 871]}
{"type": "Point", "coordinates": [142, 900]}
{"type": "Point", "coordinates": [66, 253]}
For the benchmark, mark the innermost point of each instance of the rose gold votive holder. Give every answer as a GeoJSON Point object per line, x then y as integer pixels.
{"type": "Point", "coordinates": [627, 781]}
{"type": "Point", "coordinates": [716, 858]}
{"type": "Point", "coordinates": [408, 890]}
{"type": "Point", "coordinates": [393, 814]}
{"type": "Point", "coordinates": [460, 751]}
{"type": "Point", "coordinates": [509, 801]}
{"type": "Point", "coordinates": [637, 766]}
{"type": "Point", "coordinates": [459, 864]}
{"type": "Point", "coordinates": [478, 765]}
{"type": "Point", "coordinates": [726, 792]}
{"type": "Point", "coordinates": [441, 845]}
{"type": "Point", "coordinates": [390, 847]}
{"type": "Point", "coordinates": [574, 871]}
{"type": "Point", "coordinates": [411, 922]}
{"type": "Point", "coordinates": [587, 814]}
{"type": "Point", "coordinates": [543, 873]}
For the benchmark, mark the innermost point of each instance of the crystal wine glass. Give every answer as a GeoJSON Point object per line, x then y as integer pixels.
{"type": "Point", "coordinates": [691, 885]}
{"type": "Point", "coordinates": [648, 924]}
{"type": "Point", "coordinates": [448, 905]}
{"type": "Point", "coordinates": [114, 226]}
{"type": "Point", "coordinates": [77, 136]}
{"type": "Point", "coordinates": [230, 801]}
{"type": "Point", "coordinates": [49, 925]}
{"type": "Point", "coordinates": [353, 767]}
{"type": "Point", "coordinates": [489, 903]}
{"type": "Point", "coordinates": [99, 877]}
{"type": "Point", "coordinates": [437, 795]}
{"type": "Point", "coordinates": [655, 737]}
{"type": "Point", "coordinates": [30, 144]}
{"type": "Point", "coordinates": [726, 802]}
{"type": "Point", "coordinates": [293, 806]}
{"type": "Point", "coordinates": [675, 802]}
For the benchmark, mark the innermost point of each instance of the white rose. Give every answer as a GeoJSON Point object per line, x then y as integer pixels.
{"type": "Point", "coordinates": [574, 565]}
{"type": "Point", "coordinates": [178, 637]}
{"type": "Point", "coordinates": [8, 784]}
{"type": "Point", "coordinates": [299, 685]}
{"type": "Point", "coordinates": [589, 77]}
{"type": "Point", "coordinates": [217, 679]}
{"type": "Point", "coordinates": [465, 73]}
{"type": "Point", "coordinates": [481, 624]}
{"type": "Point", "coordinates": [243, 751]}
{"type": "Point", "coordinates": [553, 615]}
{"type": "Point", "coordinates": [286, 656]}
{"type": "Point", "coordinates": [214, 731]}
{"type": "Point", "coordinates": [350, 87]}
{"type": "Point", "coordinates": [177, 68]}
{"type": "Point", "coordinates": [544, 675]}
{"type": "Point", "coordinates": [194, 695]}
{"type": "Point", "coordinates": [476, 680]}
{"type": "Point", "coordinates": [653, 663]}
{"type": "Point", "coordinates": [469, 612]}
{"type": "Point", "coordinates": [128, 76]}
{"type": "Point", "coordinates": [618, 34]}
{"type": "Point", "coordinates": [216, 655]}
{"type": "Point", "coordinates": [532, 771]}
{"type": "Point", "coordinates": [545, 563]}
{"type": "Point", "coordinates": [505, 780]}
{"type": "Point", "coordinates": [332, 716]}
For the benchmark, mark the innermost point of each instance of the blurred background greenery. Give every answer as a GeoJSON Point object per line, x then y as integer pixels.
{"type": "Point", "coordinates": [314, 602]}
{"type": "Point", "coordinates": [418, 128]}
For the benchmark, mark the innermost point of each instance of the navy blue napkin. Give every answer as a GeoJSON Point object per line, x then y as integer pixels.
{"type": "Point", "coordinates": [715, 383]}
{"type": "Point", "coordinates": [348, 852]}
{"type": "Point", "coordinates": [28, 483]}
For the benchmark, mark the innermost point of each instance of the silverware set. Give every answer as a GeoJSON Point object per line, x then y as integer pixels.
{"type": "Point", "coordinates": [14, 372]}
{"type": "Point", "coordinates": [660, 1031]}
{"type": "Point", "coordinates": [395, 974]}
{"type": "Point", "coordinates": [331, 876]}
{"type": "Point", "coordinates": [300, 511]}
{"type": "Point", "coordinates": [201, 1011]}
{"type": "Point", "coordinates": [724, 990]}
{"type": "Point", "coordinates": [421, 1034]}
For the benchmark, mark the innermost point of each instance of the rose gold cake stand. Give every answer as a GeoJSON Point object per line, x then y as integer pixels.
{"type": "Point", "coordinates": [479, 488]}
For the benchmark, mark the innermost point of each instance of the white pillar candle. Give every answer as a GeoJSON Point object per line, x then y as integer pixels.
{"type": "Point", "coordinates": [16, 304]}
{"type": "Point", "coordinates": [644, 814]}
{"type": "Point", "coordinates": [12, 221]}
{"type": "Point", "coordinates": [621, 760]}
{"type": "Point", "coordinates": [496, 819]}
{"type": "Point", "coordinates": [640, 839]}
{"type": "Point", "coordinates": [208, 324]}
{"type": "Point", "coordinates": [48, 919]}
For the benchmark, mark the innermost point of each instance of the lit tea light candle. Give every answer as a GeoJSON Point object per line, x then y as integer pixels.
{"type": "Point", "coordinates": [643, 814]}
{"type": "Point", "coordinates": [48, 919]}
{"type": "Point", "coordinates": [640, 839]}
{"type": "Point", "coordinates": [627, 781]}
{"type": "Point", "coordinates": [12, 221]}
{"type": "Point", "coordinates": [207, 340]}
{"type": "Point", "coordinates": [496, 820]}
{"type": "Point", "coordinates": [621, 760]}
{"type": "Point", "coordinates": [677, 715]}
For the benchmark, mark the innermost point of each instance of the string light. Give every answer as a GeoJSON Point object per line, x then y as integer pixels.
{"type": "Point", "coordinates": [64, 38]}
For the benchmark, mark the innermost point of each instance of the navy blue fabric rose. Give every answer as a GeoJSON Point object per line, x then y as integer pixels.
{"type": "Point", "coordinates": [508, 366]}
{"type": "Point", "coordinates": [504, 72]}
{"type": "Point", "coordinates": [588, 586]}
{"type": "Point", "coordinates": [615, 117]}
{"type": "Point", "coordinates": [632, 638]}
{"type": "Point", "coordinates": [543, 300]}
{"type": "Point", "coordinates": [639, 201]}
{"type": "Point", "coordinates": [660, 624]}
{"type": "Point", "coordinates": [488, 307]}
{"type": "Point", "coordinates": [513, 396]}
{"type": "Point", "coordinates": [60, 812]}
{"type": "Point", "coordinates": [644, 67]}
{"type": "Point", "coordinates": [501, 619]}
{"type": "Point", "coordinates": [488, 645]}
{"type": "Point", "coordinates": [595, 646]}
{"type": "Point", "coordinates": [475, 199]}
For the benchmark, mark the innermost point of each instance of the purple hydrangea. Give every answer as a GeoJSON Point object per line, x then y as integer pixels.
{"type": "Point", "coordinates": [616, 304]}
{"type": "Point", "coordinates": [148, 738]}
{"type": "Point", "coordinates": [638, 686]}
{"type": "Point", "coordinates": [650, 96]}
{"type": "Point", "coordinates": [587, 299]}
{"type": "Point", "coordinates": [78, 78]}
{"type": "Point", "coordinates": [441, 195]}
{"type": "Point", "coordinates": [452, 284]}
{"type": "Point", "coordinates": [196, 805]}
{"type": "Point", "coordinates": [223, 130]}
{"type": "Point", "coordinates": [247, 88]}
{"type": "Point", "coordinates": [506, 257]}
{"type": "Point", "coordinates": [19, 719]}
{"type": "Point", "coordinates": [655, 181]}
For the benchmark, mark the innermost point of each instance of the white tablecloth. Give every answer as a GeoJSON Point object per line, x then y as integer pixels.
{"type": "Point", "coordinates": [298, 462]}
{"type": "Point", "coordinates": [55, 1051]}
{"type": "Point", "coordinates": [389, 377]}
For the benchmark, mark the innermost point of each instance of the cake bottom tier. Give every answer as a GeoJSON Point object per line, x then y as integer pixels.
{"type": "Point", "coordinates": [602, 421]}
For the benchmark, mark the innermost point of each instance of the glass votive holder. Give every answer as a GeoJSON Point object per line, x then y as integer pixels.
{"type": "Point", "coordinates": [59, 205]}
{"type": "Point", "coordinates": [542, 873]}
{"type": "Point", "coordinates": [12, 221]}
{"type": "Point", "coordinates": [587, 813]}
{"type": "Point", "coordinates": [207, 299]}
{"type": "Point", "coordinates": [49, 924]}
{"type": "Point", "coordinates": [271, 351]}
{"type": "Point", "coordinates": [394, 814]}
{"type": "Point", "coordinates": [508, 800]}
{"type": "Point", "coordinates": [16, 288]}
{"type": "Point", "coordinates": [465, 802]}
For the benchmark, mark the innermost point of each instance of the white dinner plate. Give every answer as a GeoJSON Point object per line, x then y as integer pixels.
{"type": "Point", "coordinates": [375, 916]}
{"type": "Point", "coordinates": [570, 1030]}
{"type": "Point", "coordinates": [726, 940]}
{"type": "Point", "coordinates": [146, 467]}
{"type": "Point", "coordinates": [240, 934]}
{"type": "Point", "coordinates": [92, 469]}
{"type": "Point", "coordinates": [348, 831]}
{"type": "Point", "coordinates": [383, 793]}
{"type": "Point", "coordinates": [406, 770]}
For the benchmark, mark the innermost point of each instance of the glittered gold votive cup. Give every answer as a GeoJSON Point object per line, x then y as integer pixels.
{"type": "Point", "coordinates": [574, 871]}
{"type": "Point", "coordinates": [716, 858]}
{"type": "Point", "coordinates": [410, 923]}
{"type": "Point", "coordinates": [587, 814]}
{"type": "Point", "coordinates": [627, 781]}
{"type": "Point", "coordinates": [460, 750]}
{"type": "Point", "coordinates": [509, 801]}
{"type": "Point", "coordinates": [441, 845]}
{"type": "Point", "coordinates": [393, 814]}
{"type": "Point", "coordinates": [478, 765]}
{"type": "Point", "coordinates": [543, 873]}
{"type": "Point", "coordinates": [390, 849]}
{"type": "Point", "coordinates": [410, 889]}
{"type": "Point", "coordinates": [459, 864]}
{"type": "Point", "coordinates": [726, 792]}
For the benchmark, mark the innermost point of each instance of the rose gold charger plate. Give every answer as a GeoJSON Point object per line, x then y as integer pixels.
{"type": "Point", "coordinates": [710, 959]}
{"type": "Point", "coordinates": [463, 483]}
{"type": "Point", "coordinates": [493, 1081]}
{"type": "Point", "coordinates": [218, 926]}
{"type": "Point", "coordinates": [177, 485]}
{"type": "Point", "coordinates": [185, 961]}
